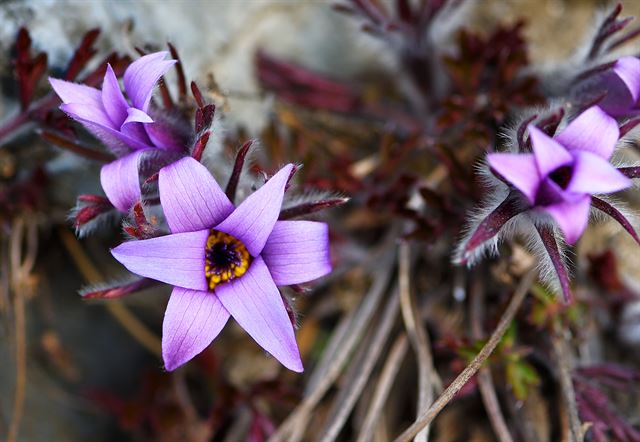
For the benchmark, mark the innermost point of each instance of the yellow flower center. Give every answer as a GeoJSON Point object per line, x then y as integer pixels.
{"type": "Point", "coordinates": [226, 258]}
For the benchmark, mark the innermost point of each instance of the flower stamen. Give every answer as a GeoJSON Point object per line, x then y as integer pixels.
{"type": "Point", "coordinates": [226, 258]}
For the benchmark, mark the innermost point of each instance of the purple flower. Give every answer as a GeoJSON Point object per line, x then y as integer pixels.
{"type": "Point", "coordinates": [124, 126]}
{"type": "Point", "coordinates": [563, 172]}
{"type": "Point", "coordinates": [225, 260]}
{"type": "Point", "coordinates": [622, 86]}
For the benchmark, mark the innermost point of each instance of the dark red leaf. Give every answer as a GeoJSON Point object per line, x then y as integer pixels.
{"type": "Point", "coordinates": [614, 213]}
{"type": "Point", "coordinates": [181, 80]}
{"type": "Point", "coordinates": [493, 223]}
{"type": "Point", "coordinates": [238, 164]}
{"type": "Point", "coordinates": [83, 53]}
{"type": "Point", "coordinates": [118, 291]}
{"type": "Point", "coordinates": [311, 207]}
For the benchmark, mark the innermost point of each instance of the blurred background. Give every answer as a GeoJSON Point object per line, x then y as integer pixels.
{"type": "Point", "coordinates": [92, 368]}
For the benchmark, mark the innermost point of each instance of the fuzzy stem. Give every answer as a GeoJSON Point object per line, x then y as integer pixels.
{"type": "Point", "coordinates": [486, 351]}
{"type": "Point", "coordinates": [491, 225]}
{"type": "Point", "coordinates": [551, 245]}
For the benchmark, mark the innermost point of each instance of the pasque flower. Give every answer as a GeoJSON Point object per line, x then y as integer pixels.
{"type": "Point", "coordinates": [563, 172]}
{"type": "Point", "coordinates": [621, 83]}
{"type": "Point", "coordinates": [224, 260]}
{"type": "Point", "coordinates": [129, 126]}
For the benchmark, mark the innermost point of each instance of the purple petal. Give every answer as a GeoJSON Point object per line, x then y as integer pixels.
{"type": "Point", "coordinates": [622, 84]}
{"type": "Point", "coordinates": [176, 259]}
{"type": "Point", "coordinates": [76, 93]}
{"type": "Point", "coordinates": [572, 217]}
{"type": "Point", "coordinates": [297, 252]}
{"type": "Point", "coordinates": [191, 198]}
{"type": "Point", "coordinates": [112, 99]}
{"type": "Point", "coordinates": [520, 170]}
{"type": "Point", "coordinates": [592, 174]}
{"type": "Point", "coordinates": [549, 154]}
{"type": "Point", "coordinates": [192, 320]}
{"type": "Point", "coordinates": [133, 125]}
{"type": "Point", "coordinates": [592, 131]}
{"type": "Point", "coordinates": [165, 137]}
{"type": "Point", "coordinates": [112, 138]}
{"type": "Point", "coordinates": [253, 221]}
{"type": "Point", "coordinates": [254, 301]}
{"type": "Point", "coordinates": [120, 180]}
{"type": "Point", "coordinates": [142, 75]}
{"type": "Point", "coordinates": [87, 112]}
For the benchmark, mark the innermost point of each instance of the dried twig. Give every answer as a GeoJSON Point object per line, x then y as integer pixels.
{"type": "Point", "coordinates": [297, 419]}
{"type": "Point", "coordinates": [115, 307]}
{"type": "Point", "coordinates": [417, 336]}
{"type": "Point", "coordinates": [360, 370]}
{"type": "Point", "coordinates": [485, 382]}
{"type": "Point", "coordinates": [562, 354]}
{"type": "Point", "coordinates": [20, 265]}
{"type": "Point", "coordinates": [459, 382]}
{"type": "Point", "coordinates": [383, 387]}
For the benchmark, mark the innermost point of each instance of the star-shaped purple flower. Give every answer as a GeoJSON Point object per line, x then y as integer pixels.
{"type": "Point", "coordinates": [124, 126]}
{"type": "Point", "coordinates": [563, 172]}
{"type": "Point", "coordinates": [622, 86]}
{"type": "Point", "coordinates": [225, 260]}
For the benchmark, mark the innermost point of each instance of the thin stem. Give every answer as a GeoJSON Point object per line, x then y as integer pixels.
{"type": "Point", "coordinates": [459, 382]}
{"type": "Point", "coordinates": [417, 336]}
{"type": "Point", "coordinates": [115, 307]}
{"type": "Point", "coordinates": [360, 371]}
{"type": "Point", "coordinates": [298, 418]}
{"type": "Point", "coordinates": [383, 387]}
{"type": "Point", "coordinates": [485, 382]}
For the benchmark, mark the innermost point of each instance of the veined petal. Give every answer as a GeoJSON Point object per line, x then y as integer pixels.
{"type": "Point", "coordinates": [254, 301]}
{"type": "Point", "coordinates": [190, 197]}
{"type": "Point", "coordinates": [120, 180]}
{"type": "Point", "coordinates": [297, 252]}
{"type": "Point", "coordinates": [572, 216]}
{"type": "Point", "coordinates": [112, 99]}
{"type": "Point", "coordinates": [88, 113]}
{"type": "Point", "coordinates": [549, 154]}
{"type": "Point", "coordinates": [192, 320]}
{"type": "Point", "coordinates": [253, 221]}
{"type": "Point", "coordinates": [142, 75]}
{"type": "Point", "coordinates": [76, 93]}
{"type": "Point", "coordinates": [592, 131]}
{"type": "Point", "coordinates": [622, 84]}
{"type": "Point", "coordinates": [593, 174]}
{"type": "Point", "coordinates": [520, 170]}
{"type": "Point", "coordinates": [176, 259]}
{"type": "Point", "coordinates": [111, 137]}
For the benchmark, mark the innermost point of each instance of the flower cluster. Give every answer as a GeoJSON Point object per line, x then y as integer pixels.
{"type": "Point", "coordinates": [555, 180]}
{"type": "Point", "coordinates": [221, 259]}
